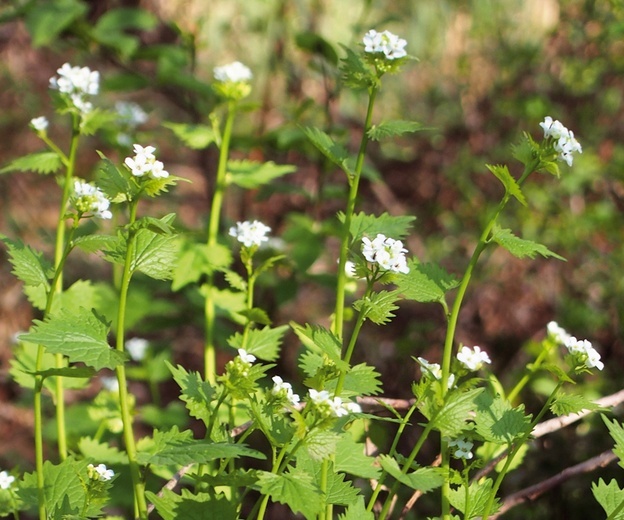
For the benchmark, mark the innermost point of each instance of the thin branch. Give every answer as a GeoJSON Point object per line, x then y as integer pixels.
{"type": "Point", "coordinates": [533, 492]}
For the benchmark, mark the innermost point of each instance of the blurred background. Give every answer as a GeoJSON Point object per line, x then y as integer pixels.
{"type": "Point", "coordinates": [487, 71]}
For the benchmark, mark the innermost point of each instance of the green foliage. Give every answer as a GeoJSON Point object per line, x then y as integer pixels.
{"type": "Point", "coordinates": [196, 393]}
{"type": "Point", "coordinates": [617, 433]}
{"type": "Point", "coordinates": [294, 488]}
{"type": "Point", "coordinates": [511, 186]}
{"type": "Point", "coordinates": [192, 506]}
{"type": "Point", "coordinates": [335, 152]}
{"type": "Point", "coordinates": [362, 225]}
{"type": "Point", "coordinates": [113, 29]}
{"type": "Point", "coordinates": [389, 129]}
{"type": "Point", "coordinates": [252, 174]}
{"type": "Point", "coordinates": [196, 260]}
{"type": "Point", "coordinates": [357, 511]}
{"type": "Point", "coordinates": [421, 479]}
{"type": "Point", "coordinates": [29, 265]}
{"type": "Point", "coordinates": [450, 417]}
{"type": "Point", "coordinates": [497, 421]}
{"type": "Point", "coordinates": [196, 137]}
{"type": "Point", "coordinates": [520, 247]}
{"type": "Point", "coordinates": [40, 162]}
{"type": "Point", "coordinates": [378, 306]}
{"type": "Point", "coordinates": [263, 343]}
{"type": "Point", "coordinates": [566, 404]}
{"type": "Point", "coordinates": [426, 282]}
{"type": "Point", "coordinates": [46, 19]}
{"type": "Point", "coordinates": [360, 379]}
{"type": "Point", "coordinates": [610, 497]}
{"type": "Point", "coordinates": [472, 502]}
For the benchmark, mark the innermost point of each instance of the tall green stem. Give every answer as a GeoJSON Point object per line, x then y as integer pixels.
{"type": "Point", "coordinates": [59, 391]}
{"type": "Point", "coordinates": [454, 316]}
{"type": "Point", "coordinates": [210, 367]}
{"type": "Point", "coordinates": [354, 183]}
{"type": "Point", "coordinates": [126, 416]}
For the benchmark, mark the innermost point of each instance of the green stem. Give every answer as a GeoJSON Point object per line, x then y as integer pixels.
{"type": "Point", "coordinates": [516, 448]}
{"type": "Point", "coordinates": [529, 373]}
{"type": "Point", "coordinates": [251, 282]}
{"type": "Point", "coordinates": [354, 182]}
{"type": "Point", "coordinates": [213, 230]}
{"type": "Point", "coordinates": [126, 416]}
{"type": "Point", "coordinates": [59, 390]}
{"type": "Point", "coordinates": [350, 348]}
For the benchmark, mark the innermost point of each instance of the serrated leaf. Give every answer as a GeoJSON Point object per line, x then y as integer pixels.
{"type": "Point", "coordinates": [520, 247]}
{"type": "Point", "coordinates": [236, 281]}
{"type": "Point", "coordinates": [95, 119]}
{"type": "Point", "coordinates": [422, 479]}
{"type": "Point", "coordinates": [357, 511]}
{"type": "Point", "coordinates": [81, 336]}
{"type": "Point", "coordinates": [356, 74]}
{"type": "Point", "coordinates": [321, 444]}
{"type": "Point", "coordinates": [478, 496]}
{"type": "Point", "coordinates": [511, 186]}
{"type": "Point", "coordinates": [40, 162]}
{"type": "Point", "coordinates": [29, 265]}
{"type": "Point", "coordinates": [155, 253]}
{"type": "Point", "coordinates": [112, 28]}
{"type": "Point", "coordinates": [256, 315]}
{"type": "Point", "coordinates": [101, 452]}
{"type": "Point", "coordinates": [197, 260]}
{"type": "Point", "coordinates": [610, 497]}
{"type": "Point", "coordinates": [566, 404]}
{"type": "Point", "coordinates": [335, 152]}
{"type": "Point", "coordinates": [263, 343]}
{"type": "Point", "coordinates": [426, 282]}
{"type": "Point", "coordinates": [196, 137]}
{"type": "Point", "coordinates": [392, 129]}
{"type": "Point", "coordinates": [196, 393]}
{"type": "Point", "coordinates": [450, 418]}
{"type": "Point", "coordinates": [616, 430]}
{"type": "Point", "coordinates": [379, 306]}
{"type": "Point", "coordinates": [293, 488]}
{"type": "Point", "coordinates": [320, 341]}
{"type": "Point", "coordinates": [251, 174]}
{"type": "Point", "coordinates": [192, 506]}
{"type": "Point", "coordinates": [180, 448]}
{"type": "Point", "coordinates": [116, 183]}
{"type": "Point", "coordinates": [498, 422]}
{"type": "Point", "coordinates": [351, 459]}
{"type": "Point", "coordinates": [46, 20]}
{"type": "Point", "coordinates": [337, 490]}
{"type": "Point", "coordinates": [397, 227]}
{"type": "Point", "coordinates": [359, 380]}
{"type": "Point", "coordinates": [96, 243]}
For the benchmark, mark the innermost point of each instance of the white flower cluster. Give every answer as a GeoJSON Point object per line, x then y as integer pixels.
{"type": "Point", "coordinates": [144, 162]}
{"type": "Point", "coordinates": [284, 390]}
{"type": "Point", "coordinates": [384, 42]}
{"type": "Point", "coordinates": [581, 349]}
{"type": "Point", "coordinates": [90, 199]}
{"type": "Point", "coordinates": [100, 472]}
{"type": "Point", "coordinates": [40, 124]}
{"type": "Point", "coordinates": [388, 253]}
{"type": "Point", "coordinates": [77, 83]}
{"type": "Point", "coordinates": [234, 72]}
{"type": "Point", "coordinates": [332, 407]}
{"type": "Point", "coordinates": [564, 142]}
{"type": "Point", "coordinates": [434, 370]}
{"type": "Point", "coordinates": [250, 233]}
{"type": "Point", "coordinates": [137, 348]}
{"type": "Point", "coordinates": [6, 480]}
{"type": "Point", "coordinates": [473, 359]}
{"type": "Point", "coordinates": [464, 448]}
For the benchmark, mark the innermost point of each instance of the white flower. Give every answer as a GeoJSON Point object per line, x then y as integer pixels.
{"type": "Point", "coordinates": [584, 351]}
{"type": "Point", "coordinates": [39, 123]}
{"type": "Point", "coordinates": [284, 389]}
{"type": "Point", "coordinates": [388, 253]}
{"type": "Point", "coordinates": [564, 142]}
{"type": "Point", "coordinates": [77, 83]}
{"type": "Point", "coordinates": [247, 358]}
{"type": "Point", "coordinates": [473, 359]}
{"type": "Point", "coordinates": [558, 334]}
{"type": "Point", "coordinates": [130, 114]}
{"type": "Point", "coordinates": [144, 162]}
{"type": "Point", "coordinates": [100, 472]}
{"type": "Point", "coordinates": [234, 72]}
{"type": "Point", "coordinates": [90, 199]}
{"type": "Point", "coordinates": [6, 480]}
{"type": "Point", "coordinates": [464, 448]}
{"type": "Point", "coordinates": [137, 348]}
{"type": "Point", "coordinates": [250, 233]}
{"type": "Point", "coordinates": [110, 384]}
{"type": "Point", "coordinates": [332, 406]}
{"type": "Point", "coordinates": [385, 42]}
{"type": "Point", "coordinates": [434, 370]}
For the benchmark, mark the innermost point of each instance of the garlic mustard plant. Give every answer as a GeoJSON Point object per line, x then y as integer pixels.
{"type": "Point", "coordinates": [250, 233]}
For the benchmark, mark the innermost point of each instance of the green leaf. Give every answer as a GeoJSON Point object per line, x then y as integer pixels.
{"type": "Point", "coordinates": [617, 433]}
{"type": "Point", "coordinates": [102, 452]}
{"type": "Point", "coordinates": [190, 506]}
{"type": "Point", "coordinates": [316, 44]}
{"type": "Point", "coordinates": [111, 28]}
{"type": "Point", "coordinates": [116, 183]}
{"type": "Point", "coordinates": [96, 119]}
{"type": "Point", "coordinates": [251, 174]}
{"type": "Point", "coordinates": [335, 152]}
{"type": "Point", "coordinates": [196, 393]}
{"type": "Point", "coordinates": [422, 479]}
{"type": "Point", "coordinates": [321, 341]}
{"type": "Point", "coordinates": [295, 489]}
{"type": "Point", "coordinates": [235, 281]}
{"type": "Point", "coordinates": [359, 380]}
{"type": "Point", "coordinates": [397, 227]}
{"type": "Point", "coordinates": [180, 448]}
{"type": "Point", "coordinates": [498, 422]}
{"type": "Point", "coordinates": [46, 20]}
{"type": "Point", "coordinates": [351, 459]}
{"type": "Point", "coordinates": [40, 162]}
{"type": "Point", "coordinates": [263, 343]}
{"type": "Point", "coordinates": [97, 243]}
{"type": "Point", "coordinates": [511, 186]}
{"type": "Point", "coordinates": [81, 336]}
{"type": "Point", "coordinates": [356, 74]}
{"type": "Point", "coordinates": [29, 265]}
{"type": "Point", "coordinates": [478, 496]}
{"type": "Point", "coordinates": [520, 247]}
{"type": "Point", "coordinates": [392, 129]}
{"type": "Point", "coordinates": [198, 259]}
{"type": "Point", "coordinates": [256, 315]}
{"type": "Point", "coordinates": [357, 511]}
{"type": "Point", "coordinates": [337, 491]}
{"type": "Point", "coordinates": [71, 372]}
{"type": "Point", "coordinates": [196, 137]}
{"type": "Point", "coordinates": [426, 282]}
{"type": "Point", "coordinates": [320, 444]}
{"type": "Point", "coordinates": [610, 497]}
{"type": "Point", "coordinates": [450, 418]}
{"type": "Point", "coordinates": [566, 404]}
{"type": "Point", "coordinates": [379, 306]}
